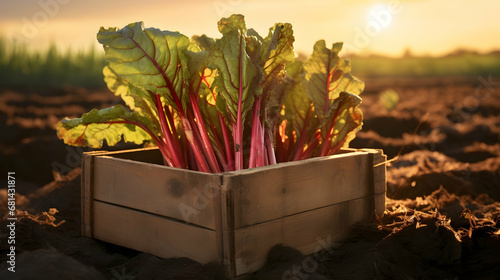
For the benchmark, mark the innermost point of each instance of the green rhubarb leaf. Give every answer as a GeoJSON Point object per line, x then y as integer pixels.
{"type": "Point", "coordinates": [119, 87]}
{"type": "Point", "coordinates": [197, 63]}
{"type": "Point", "coordinates": [111, 124]}
{"type": "Point", "coordinates": [252, 33]}
{"type": "Point", "coordinates": [298, 106]}
{"type": "Point", "coordinates": [236, 72]}
{"type": "Point", "coordinates": [148, 59]}
{"type": "Point", "coordinates": [138, 100]}
{"type": "Point", "coordinates": [345, 120]}
{"type": "Point", "coordinates": [277, 52]}
{"type": "Point", "coordinates": [203, 42]}
{"type": "Point", "coordinates": [327, 75]}
{"type": "Point", "coordinates": [235, 22]}
{"type": "Point", "coordinates": [253, 49]}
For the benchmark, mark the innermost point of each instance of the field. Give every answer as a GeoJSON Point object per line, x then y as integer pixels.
{"type": "Point", "coordinates": [443, 208]}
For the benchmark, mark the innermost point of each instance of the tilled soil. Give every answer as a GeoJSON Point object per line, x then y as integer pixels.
{"type": "Point", "coordinates": [442, 218]}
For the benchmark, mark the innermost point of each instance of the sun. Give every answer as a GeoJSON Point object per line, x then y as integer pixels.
{"type": "Point", "coordinates": [380, 15]}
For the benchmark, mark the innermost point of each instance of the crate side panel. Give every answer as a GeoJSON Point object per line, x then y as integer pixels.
{"type": "Point", "coordinates": [379, 174]}
{"type": "Point", "coordinates": [308, 232]}
{"type": "Point", "coordinates": [176, 193]}
{"type": "Point", "coordinates": [379, 204]}
{"type": "Point", "coordinates": [278, 192]}
{"type": "Point", "coordinates": [379, 181]}
{"type": "Point", "coordinates": [227, 231]}
{"type": "Point", "coordinates": [86, 194]}
{"type": "Point", "coordinates": [153, 234]}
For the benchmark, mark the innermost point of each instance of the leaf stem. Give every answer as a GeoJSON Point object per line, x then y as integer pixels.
{"type": "Point", "coordinates": [299, 148]}
{"type": "Point", "coordinates": [207, 145]}
{"type": "Point", "coordinates": [238, 128]}
{"type": "Point", "coordinates": [167, 133]}
{"type": "Point", "coordinates": [227, 143]}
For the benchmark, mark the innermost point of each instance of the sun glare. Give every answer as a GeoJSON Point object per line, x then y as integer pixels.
{"type": "Point", "coordinates": [380, 15]}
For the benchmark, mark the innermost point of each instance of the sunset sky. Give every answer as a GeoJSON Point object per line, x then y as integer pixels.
{"type": "Point", "coordinates": [386, 26]}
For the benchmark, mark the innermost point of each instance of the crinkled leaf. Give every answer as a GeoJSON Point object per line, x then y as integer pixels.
{"type": "Point", "coordinates": [233, 23]}
{"type": "Point", "coordinates": [203, 42]}
{"type": "Point", "coordinates": [97, 125]}
{"type": "Point", "coordinates": [136, 99]}
{"type": "Point", "coordinates": [253, 49]}
{"type": "Point", "coordinates": [277, 52]}
{"type": "Point", "coordinates": [148, 59]}
{"type": "Point", "coordinates": [327, 75]}
{"type": "Point", "coordinates": [235, 74]}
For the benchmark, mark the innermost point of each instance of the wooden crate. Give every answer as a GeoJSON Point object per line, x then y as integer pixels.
{"type": "Point", "coordinates": [130, 199]}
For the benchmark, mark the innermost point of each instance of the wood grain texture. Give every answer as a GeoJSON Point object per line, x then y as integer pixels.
{"type": "Point", "coordinates": [308, 232]}
{"type": "Point", "coordinates": [379, 170]}
{"type": "Point", "coordinates": [87, 192]}
{"type": "Point", "coordinates": [378, 181]}
{"type": "Point", "coordinates": [235, 217]}
{"type": "Point", "coordinates": [271, 192]}
{"type": "Point", "coordinates": [177, 193]}
{"type": "Point", "coordinates": [227, 231]}
{"type": "Point", "coordinates": [153, 234]}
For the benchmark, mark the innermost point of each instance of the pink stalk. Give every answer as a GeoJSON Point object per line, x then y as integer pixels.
{"type": "Point", "coordinates": [238, 127]}
{"type": "Point", "coordinates": [257, 139]}
{"type": "Point", "coordinates": [326, 141]}
{"type": "Point", "coordinates": [176, 159]}
{"type": "Point", "coordinates": [207, 145]}
{"type": "Point", "coordinates": [173, 128]}
{"type": "Point", "coordinates": [261, 152]}
{"type": "Point", "coordinates": [271, 156]}
{"type": "Point", "coordinates": [192, 139]}
{"type": "Point", "coordinates": [184, 121]}
{"type": "Point", "coordinates": [311, 146]}
{"type": "Point", "coordinates": [219, 152]}
{"type": "Point", "coordinates": [302, 140]}
{"type": "Point", "coordinates": [191, 158]}
{"type": "Point", "coordinates": [227, 143]}
{"type": "Point", "coordinates": [266, 159]}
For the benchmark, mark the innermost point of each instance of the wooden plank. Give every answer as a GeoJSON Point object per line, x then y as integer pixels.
{"type": "Point", "coordinates": [87, 192]}
{"type": "Point", "coordinates": [377, 171]}
{"type": "Point", "coordinates": [153, 234]}
{"type": "Point", "coordinates": [218, 214]}
{"type": "Point", "coordinates": [308, 232]}
{"type": "Point", "coordinates": [379, 204]}
{"type": "Point", "coordinates": [271, 192]}
{"type": "Point", "coordinates": [87, 182]}
{"type": "Point", "coordinates": [379, 174]}
{"type": "Point", "coordinates": [177, 193]}
{"type": "Point", "coordinates": [181, 194]}
{"type": "Point", "coordinates": [227, 231]}
{"type": "Point", "coordinates": [245, 213]}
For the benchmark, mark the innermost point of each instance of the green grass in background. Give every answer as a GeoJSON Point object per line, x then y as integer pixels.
{"type": "Point", "coordinates": [20, 66]}
{"type": "Point", "coordinates": [460, 64]}
{"type": "Point", "coordinates": [55, 67]}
